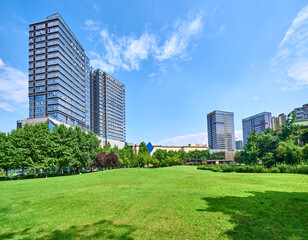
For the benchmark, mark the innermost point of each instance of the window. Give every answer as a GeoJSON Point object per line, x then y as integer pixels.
{"type": "Point", "coordinates": [40, 26]}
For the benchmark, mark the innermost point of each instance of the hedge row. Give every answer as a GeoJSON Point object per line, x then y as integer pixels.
{"type": "Point", "coordinates": [281, 168]}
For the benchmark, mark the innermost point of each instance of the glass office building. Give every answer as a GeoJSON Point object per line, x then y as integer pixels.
{"type": "Point", "coordinates": [220, 126]}
{"type": "Point", "coordinates": [59, 76]}
{"type": "Point", "coordinates": [108, 106]}
{"type": "Point", "coordinates": [259, 122]}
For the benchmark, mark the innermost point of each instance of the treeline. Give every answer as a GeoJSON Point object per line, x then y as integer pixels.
{"type": "Point", "coordinates": [36, 147]}
{"type": "Point", "coordinates": [160, 158]}
{"type": "Point", "coordinates": [287, 145]}
{"type": "Point", "coordinates": [69, 150]}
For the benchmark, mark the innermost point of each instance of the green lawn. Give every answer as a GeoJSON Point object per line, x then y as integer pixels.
{"type": "Point", "coordinates": [164, 203]}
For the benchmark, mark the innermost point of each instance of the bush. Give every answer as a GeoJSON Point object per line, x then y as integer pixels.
{"type": "Point", "coordinates": [302, 168]}
{"type": "Point", "coordinates": [216, 168]}
{"type": "Point", "coordinates": [226, 168]}
{"type": "Point", "coordinates": [259, 169]}
{"type": "Point", "coordinates": [283, 168]}
{"type": "Point", "coordinates": [274, 170]}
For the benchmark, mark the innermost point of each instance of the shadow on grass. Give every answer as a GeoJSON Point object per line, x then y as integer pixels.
{"type": "Point", "coordinates": [268, 215]}
{"type": "Point", "coordinates": [104, 229]}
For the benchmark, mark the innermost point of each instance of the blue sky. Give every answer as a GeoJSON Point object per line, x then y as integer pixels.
{"type": "Point", "coordinates": [179, 60]}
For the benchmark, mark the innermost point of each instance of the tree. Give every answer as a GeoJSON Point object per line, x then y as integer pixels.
{"type": "Point", "coordinates": [289, 152]}
{"type": "Point", "coordinates": [6, 152]}
{"type": "Point", "coordinates": [267, 143]}
{"type": "Point", "coordinates": [289, 129]}
{"type": "Point", "coordinates": [239, 157]}
{"type": "Point", "coordinates": [100, 160]}
{"type": "Point", "coordinates": [269, 159]}
{"type": "Point", "coordinates": [160, 154]}
{"type": "Point", "coordinates": [251, 149]}
{"type": "Point", "coordinates": [304, 136]}
{"type": "Point", "coordinates": [112, 160]}
{"type": "Point", "coordinates": [21, 156]}
{"type": "Point", "coordinates": [142, 159]}
{"type": "Point", "coordinates": [63, 148]}
{"type": "Point", "coordinates": [143, 148]}
{"type": "Point", "coordinates": [305, 152]}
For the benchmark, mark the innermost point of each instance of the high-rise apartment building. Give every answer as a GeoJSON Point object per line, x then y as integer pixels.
{"type": "Point", "coordinates": [259, 122]}
{"type": "Point", "coordinates": [108, 106]}
{"type": "Point", "coordinates": [220, 126]}
{"type": "Point", "coordinates": [301, 113]}
{"type": "Point", "coordinates": [278, 121]}
{"type": "Point", "coordinates": [59, 76]}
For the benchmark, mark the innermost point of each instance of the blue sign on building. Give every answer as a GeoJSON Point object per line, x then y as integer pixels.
{"type": "Point", "coordinates": [150, 147]}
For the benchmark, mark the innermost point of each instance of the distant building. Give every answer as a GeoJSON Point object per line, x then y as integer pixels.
{"type": "Point", "coordinates": [301, 113]}
{"type": "Point", "coordinates": [278, 121]}
{"type": "Point", "coordinates": [259, 122]}
{"type": "Point", "coordinates": [153, 148]}
{"type": "Point", "coordinates": [108, 106]}
{"type": "Point", "coordinates": [239, 145]}
{"type": "Point", "coordinates": [220, 125]}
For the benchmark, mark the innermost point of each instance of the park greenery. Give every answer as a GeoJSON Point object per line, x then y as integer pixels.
{"type": "Point", "coordinates": [287, 145]}
{"type": "Point", "coordinates": [177, 202]}
{"type": "Point", "coordinates": [68, 151]}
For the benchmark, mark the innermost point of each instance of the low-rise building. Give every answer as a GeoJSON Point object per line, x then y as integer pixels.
{"type": "Point", "coordinates": [189, 147]}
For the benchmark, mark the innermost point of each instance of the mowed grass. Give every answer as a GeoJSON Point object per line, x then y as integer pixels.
{"type": "Point", "coordinates": [165, 203]}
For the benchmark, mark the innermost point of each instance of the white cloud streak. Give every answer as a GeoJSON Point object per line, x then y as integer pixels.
{"type": "Point", "coordinates": [14, 87]}
{"type": "Point", "coordinates": [127, 52]}
{"type": "Point", "coordinates": [291, 60]}
{"type": "Point", "coordinates": [198, 138]}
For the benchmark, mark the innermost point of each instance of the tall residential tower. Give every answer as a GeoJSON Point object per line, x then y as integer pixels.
{"type": "Point", "coordinates": [259, 122]}
{"type": "Point", "coordinates": [59, 76]}
{"type": "Point", "coordinates": [220, 127]}
{"type": "Point", "coordinates": [108, 106]}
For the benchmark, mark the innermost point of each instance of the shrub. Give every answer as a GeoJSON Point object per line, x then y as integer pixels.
{"type": "Point", "coordinates": [240, 169]}
{"type": "Point", "coordinates": [302, 168]}
{"type": "Point", "coordinates": [259, 169]}
{"type": "Point", "coordinates": [226, 168]}
{"type": "Point", "coordinates": [274, 170]}
{"type": "Point", "coordinates": [216, 168]}
{"type": "Point", "coordinates": [283, 168]}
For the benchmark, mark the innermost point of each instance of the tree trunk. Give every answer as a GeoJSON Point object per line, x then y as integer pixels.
{"type": "Point", "coordinates": [22, 170]}
{"type": "Point", "coordinates": [6, 173]}
{"type": "Point", "coordinates": [68, 169]}
{"type": "Point", "coordinates": [54, 170]}
{"type": "Point", "coordinates": [46, 172]}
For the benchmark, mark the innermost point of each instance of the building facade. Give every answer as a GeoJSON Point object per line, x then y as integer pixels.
{"type": "Point", "coordinates": [239, 145]}
{"type": "Point", "coordinates": [259, 122]}
{"type": "Point", "coordinates": [301, 113]}
{"type": "Point", "coordinates": [220, 125]}
{"type": "Point", "coordinates": [59, 76]}
{"type": "Point", "coordinates": [108, 106]}
{"type": "Point", "coordinates": [278, 121]}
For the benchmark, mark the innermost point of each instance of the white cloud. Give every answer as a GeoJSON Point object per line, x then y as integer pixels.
{"type": "Point", "coordinates": [127, 52]}
{"type": "Point", "coordinates": [238, 135]}
{"type": "Point", "coordinates": [199, 138]}
{"type": "Point", "coordinates": [14, 87]}
{"type": "Point", "coordinates": [92, 25]}
{"type": "Point", "coordinates": [291, 60]}
{"type": "Point", "coordinates": [178, 42]}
